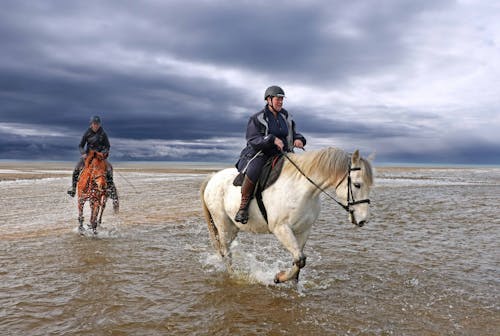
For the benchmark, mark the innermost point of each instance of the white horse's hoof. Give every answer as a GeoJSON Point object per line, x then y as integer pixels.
{"type": "Point", "coordinates": [280, 277]}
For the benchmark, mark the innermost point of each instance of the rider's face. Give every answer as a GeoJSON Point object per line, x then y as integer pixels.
{"type": "Point", "coordinates": [277, 103]}
{"type": "Point", "coordinates": [95, 126]}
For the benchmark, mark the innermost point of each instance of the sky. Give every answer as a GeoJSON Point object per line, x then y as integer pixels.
{"type": "Point", "coordinates": [403, 81]}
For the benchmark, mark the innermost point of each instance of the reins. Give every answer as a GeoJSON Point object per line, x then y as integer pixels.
{"type": "Point", "coordinates": [126, 180]}
{"type": "Point", "coordinates": [349, 188]}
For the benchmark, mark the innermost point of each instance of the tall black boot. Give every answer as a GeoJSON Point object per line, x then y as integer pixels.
{"type": "Point", "coordinates": [247, 189]}
{"type": "Point", "coordinates": [74, 182]}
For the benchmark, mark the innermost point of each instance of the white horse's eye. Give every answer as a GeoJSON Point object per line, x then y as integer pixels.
{"type": "Point", "coordinates": [357, 185]}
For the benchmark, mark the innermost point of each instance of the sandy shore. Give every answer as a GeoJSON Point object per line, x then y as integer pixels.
{"type": "Point", "coordinates": [24, 170]}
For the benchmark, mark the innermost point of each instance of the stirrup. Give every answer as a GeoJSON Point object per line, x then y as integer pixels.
{"type": "Point", "coordinates": [241, 216]}
{"type": "Point", "coordinates": [71, 192]}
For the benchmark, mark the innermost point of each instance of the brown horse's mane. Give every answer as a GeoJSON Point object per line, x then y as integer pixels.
{"type": "Point", "coordinates": [326, 161]}
{"type": "Point", "coordinates": [91, 156]}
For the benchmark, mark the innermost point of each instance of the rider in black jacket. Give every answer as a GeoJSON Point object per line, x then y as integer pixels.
{"type": "Point", "coordinates": [268, 132]}
{"type": "Point", "coordinates": [96, 139]}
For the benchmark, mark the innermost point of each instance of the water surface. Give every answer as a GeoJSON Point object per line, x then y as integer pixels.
{"type": "Point", "coordinates": [426, 264]}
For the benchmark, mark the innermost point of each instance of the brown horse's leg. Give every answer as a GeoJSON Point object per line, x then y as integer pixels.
{"type": "Point", "coordinates": [116, 202]}
{"type": "Point", "coordinates": [81, 203]}
{"type": "Point", "coordinates": [102, 207]}
{"type": "Point", "coordinates": [93, 216]}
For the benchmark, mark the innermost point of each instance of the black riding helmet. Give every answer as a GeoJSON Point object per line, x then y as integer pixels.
{"type": "Point", "coordinates": [274, 91]}
{"type": "Point", "coordinates": [95, 119]}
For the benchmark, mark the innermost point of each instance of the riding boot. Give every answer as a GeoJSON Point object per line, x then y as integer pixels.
{"type": "Point", "coordinates": [247, 189]}
{"type": "Point", "coordinates": [72, 190]}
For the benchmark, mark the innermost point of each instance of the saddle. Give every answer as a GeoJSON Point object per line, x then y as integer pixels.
{"type": "Point", "coordinates": [269, 174]}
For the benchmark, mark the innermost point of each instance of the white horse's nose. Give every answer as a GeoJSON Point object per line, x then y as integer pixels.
{"type": "Point", "coordinates": [354, 220]}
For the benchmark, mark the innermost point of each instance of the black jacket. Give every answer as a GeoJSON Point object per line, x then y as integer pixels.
{"type": "Point", "coordinates": [96, 141]}
{"type": "Point", "coordinates": [259, 138]}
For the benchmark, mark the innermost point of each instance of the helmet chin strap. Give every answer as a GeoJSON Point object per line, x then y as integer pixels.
{"type": "Point", "coordinates": [271, 105]}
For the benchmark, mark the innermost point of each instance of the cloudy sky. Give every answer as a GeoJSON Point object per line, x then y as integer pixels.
{"type": "Point", "coordinates": [411, 81]}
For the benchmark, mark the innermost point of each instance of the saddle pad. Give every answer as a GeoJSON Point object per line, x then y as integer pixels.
{"type": "Point", "coordinates": [270, 173]}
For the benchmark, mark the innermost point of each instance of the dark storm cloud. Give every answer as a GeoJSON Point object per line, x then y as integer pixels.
{"type": "Point", "coordinates": [178, 80]}
{"type": "Point", "coordinates": [299, 41]}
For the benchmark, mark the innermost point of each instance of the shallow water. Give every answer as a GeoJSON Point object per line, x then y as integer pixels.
{"type": "Point", "coordinates": [427, 263]}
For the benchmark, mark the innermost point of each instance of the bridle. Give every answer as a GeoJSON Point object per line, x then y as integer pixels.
{"type": "Point", "coordinates": [350, 195]}
{"type": "Point", "coordinates": [95, 177]}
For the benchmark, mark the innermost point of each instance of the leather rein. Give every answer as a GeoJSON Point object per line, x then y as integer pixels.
{"type": "Point", "coordinates": [350, 196]}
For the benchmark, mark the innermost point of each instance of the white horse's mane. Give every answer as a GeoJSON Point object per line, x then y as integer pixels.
{"type": "Point", "coordinates": [326, 161]}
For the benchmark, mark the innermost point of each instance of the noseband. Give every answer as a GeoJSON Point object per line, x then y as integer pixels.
{"type": "Point", "coordinates": [350, 195]}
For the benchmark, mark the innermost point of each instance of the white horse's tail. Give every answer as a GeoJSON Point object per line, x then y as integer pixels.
{"type": "Point", "coordinates": [212, 229]}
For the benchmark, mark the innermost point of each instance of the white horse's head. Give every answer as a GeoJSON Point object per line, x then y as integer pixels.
{"type": "Point", "coordinates": [354, 190]}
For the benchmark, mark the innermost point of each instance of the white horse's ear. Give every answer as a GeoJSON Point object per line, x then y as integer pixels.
{"type": "Point", "coordinates": [355, 157]}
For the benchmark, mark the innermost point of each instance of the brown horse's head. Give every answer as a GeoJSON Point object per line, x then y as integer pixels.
{"type": "Point", "coordinates": [93, 177]}
{"type": "Point", "coordinates": [97, 167]}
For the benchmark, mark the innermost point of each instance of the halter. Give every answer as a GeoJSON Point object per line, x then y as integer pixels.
{"type": "Point", "coordinates": [350, 196]}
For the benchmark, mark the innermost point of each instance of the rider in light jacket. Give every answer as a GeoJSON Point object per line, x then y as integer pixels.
{"type": "Point", "coordinates": [268, 132]}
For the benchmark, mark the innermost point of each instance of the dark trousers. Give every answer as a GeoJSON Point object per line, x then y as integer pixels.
{"type": "Point", "coordinates": [254, 167]}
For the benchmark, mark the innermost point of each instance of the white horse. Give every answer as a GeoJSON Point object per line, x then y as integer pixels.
{"type": "Point", "coordinates": [292, 202]}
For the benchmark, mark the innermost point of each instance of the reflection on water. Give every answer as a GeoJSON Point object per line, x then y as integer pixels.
{"type": "Point", "coordinates": [426, 264]}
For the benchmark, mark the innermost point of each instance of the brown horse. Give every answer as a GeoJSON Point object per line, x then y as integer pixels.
{"type": "Point", "coordinates": [92, 187]}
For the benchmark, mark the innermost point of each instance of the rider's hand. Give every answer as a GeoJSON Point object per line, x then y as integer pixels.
{"type": "Point", "coordinates": [84, 156]}
{"type": "Point", "coordinates": [298, 143]}
{"type": "Point", "coordinates": [278, 143]}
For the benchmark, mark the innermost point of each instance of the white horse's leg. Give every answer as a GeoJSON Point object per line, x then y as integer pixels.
{"type": "Point", "coordinates": [301, 240]}
{"type": "Point", "coordinates": [286, 236]}
{"type": "Point", "coordinates": [227, 233]}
